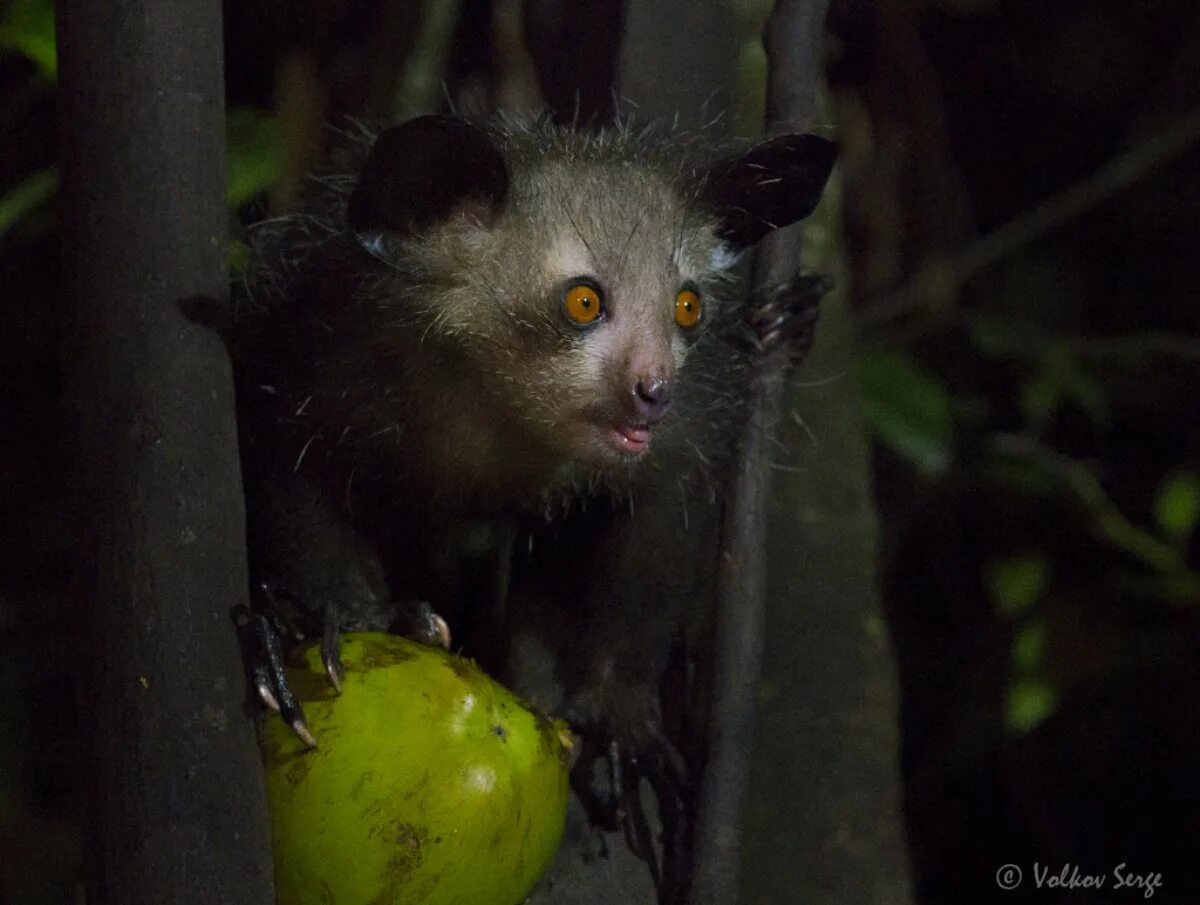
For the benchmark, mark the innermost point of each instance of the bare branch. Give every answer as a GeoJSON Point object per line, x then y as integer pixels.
{"type": "Point", "coordinates": [793, 42]}
{"type": "Point", "coordinates": [938, 280]}
{"type": "Point", "coordinates": [1107, 520]}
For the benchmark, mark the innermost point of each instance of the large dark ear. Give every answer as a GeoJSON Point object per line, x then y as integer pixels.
{"type": "Point", "coordinates": [773, 184]}
{"type": "Point", "coordinates": [423, 171]}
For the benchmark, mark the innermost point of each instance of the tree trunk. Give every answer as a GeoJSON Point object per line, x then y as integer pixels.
{"type": "Point", "coordinates": [177, 812]}
{"type": "Point", "coordinates": [793, 41]}
{"type": "Point", "coordinates": [823, 820]}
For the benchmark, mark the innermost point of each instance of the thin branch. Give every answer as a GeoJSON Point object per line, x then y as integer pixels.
{"type": "Point", "coordinates": [938, 280]}
{"type": "Point", "coordinates": [792, 39]}
{"type": "Point", "coordinates": [1108, 521]}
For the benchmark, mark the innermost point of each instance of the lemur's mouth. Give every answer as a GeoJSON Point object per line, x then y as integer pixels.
{"type": "Point", "coordinates": [631, 439]}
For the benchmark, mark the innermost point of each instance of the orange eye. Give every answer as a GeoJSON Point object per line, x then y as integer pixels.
{"type": "Point", "coordinates": [687, 308]}
{"type": "Point", "coordinates": [582, 304]}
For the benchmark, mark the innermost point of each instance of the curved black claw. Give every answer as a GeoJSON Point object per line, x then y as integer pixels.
{"type": "Point", "coordinates": [331, 654]}
{"type": "Point", "coordinates": [418, 622]}
{"type": "Point", "coordinates": [264, 655]}
{"type": "Point", "coordinates": [784, 316]}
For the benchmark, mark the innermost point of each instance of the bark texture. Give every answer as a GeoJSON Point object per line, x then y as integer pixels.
{"type": "Point", "coordinates": [177, 812]}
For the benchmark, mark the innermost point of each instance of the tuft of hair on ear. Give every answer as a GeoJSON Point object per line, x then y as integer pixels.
{"type": "Point", "coordinates": [423, 172]}
{"type": "Point", "coordinates": [774, 184]}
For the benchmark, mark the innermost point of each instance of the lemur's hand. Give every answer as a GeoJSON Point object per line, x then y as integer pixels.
{"type": "Point", "coordinates": [266, 627]}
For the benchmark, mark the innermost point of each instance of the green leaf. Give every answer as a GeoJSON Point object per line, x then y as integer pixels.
{"type": "Point", "coordinates": [1058, 381]}
{"type": "Point", "coordinates": [1016, 584]}
{"type": "Point", "coordinates": [253, 168]}
{"type": "Point", "coordinates": [254, 154]}
{"type": "Point", "coordinates": [27, 27]}
{"type": "Point", "coordinates": [26, 197]}
{"type": "Point", "coordinates": [1177, 508]}
{"type": "Point", "coordinates": [1030, 703]}
{"type": "Point", "coordinates": [908, 410]}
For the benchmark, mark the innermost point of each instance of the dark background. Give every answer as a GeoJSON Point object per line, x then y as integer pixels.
{"type": "Point", "coordinates": [1031, 390]}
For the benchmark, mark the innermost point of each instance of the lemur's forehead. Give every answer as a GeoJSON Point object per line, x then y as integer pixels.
{"type": "Point", "coordinates": [685, 259]}
{"type": "Point", "coordinates": [620, 221]}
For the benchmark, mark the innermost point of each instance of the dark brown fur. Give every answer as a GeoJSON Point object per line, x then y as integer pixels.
{"type": "Point", "coordinates": [413, 398]}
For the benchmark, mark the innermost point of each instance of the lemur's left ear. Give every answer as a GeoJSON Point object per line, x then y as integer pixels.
{"type": "Point", "coordinates": [775, 183]}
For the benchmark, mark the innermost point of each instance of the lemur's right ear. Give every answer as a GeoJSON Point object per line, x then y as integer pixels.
{"type": "Point", "coordinates": [422, 172]}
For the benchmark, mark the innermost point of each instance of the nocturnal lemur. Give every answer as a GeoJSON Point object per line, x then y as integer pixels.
{"type": "Point", "coordinates": [528, 328]}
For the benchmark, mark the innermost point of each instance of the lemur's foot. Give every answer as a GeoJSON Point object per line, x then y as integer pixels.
{"type": "Point", "coordinates": [634, 748]}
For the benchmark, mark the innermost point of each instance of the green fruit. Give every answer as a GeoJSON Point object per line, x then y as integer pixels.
{"type": "Point", "coordinates": [432, 784]}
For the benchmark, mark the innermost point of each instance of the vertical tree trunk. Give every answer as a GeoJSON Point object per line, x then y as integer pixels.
{"type": "Point", "coordinates": [793, 41]}
{"type": "Point", "coordinates": [177, 812]}
{"type": "Point", "coordinates": [823, 818]}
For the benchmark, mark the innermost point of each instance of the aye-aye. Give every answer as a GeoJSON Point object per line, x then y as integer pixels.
{"type": "Point", "coordinates": [481, 332]}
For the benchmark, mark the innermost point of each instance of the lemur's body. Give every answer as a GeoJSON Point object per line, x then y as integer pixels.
{"type": "Point", "coordinates": [522, 328]}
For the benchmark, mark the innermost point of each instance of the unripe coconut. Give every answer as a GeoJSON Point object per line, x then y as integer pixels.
{"type": "Point", "coordinates": [432, 784]}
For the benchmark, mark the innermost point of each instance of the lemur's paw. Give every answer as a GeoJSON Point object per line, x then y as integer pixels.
{"type": "Point", "coordinates": [265, 629]}
{"type": "Point", "coordinates": [783, 317]}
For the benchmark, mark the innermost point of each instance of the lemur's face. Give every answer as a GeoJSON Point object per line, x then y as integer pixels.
{"type": "Point", "coordinates": [574, 276]}
{"type": "Point", "coordinates": [581, 302]}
